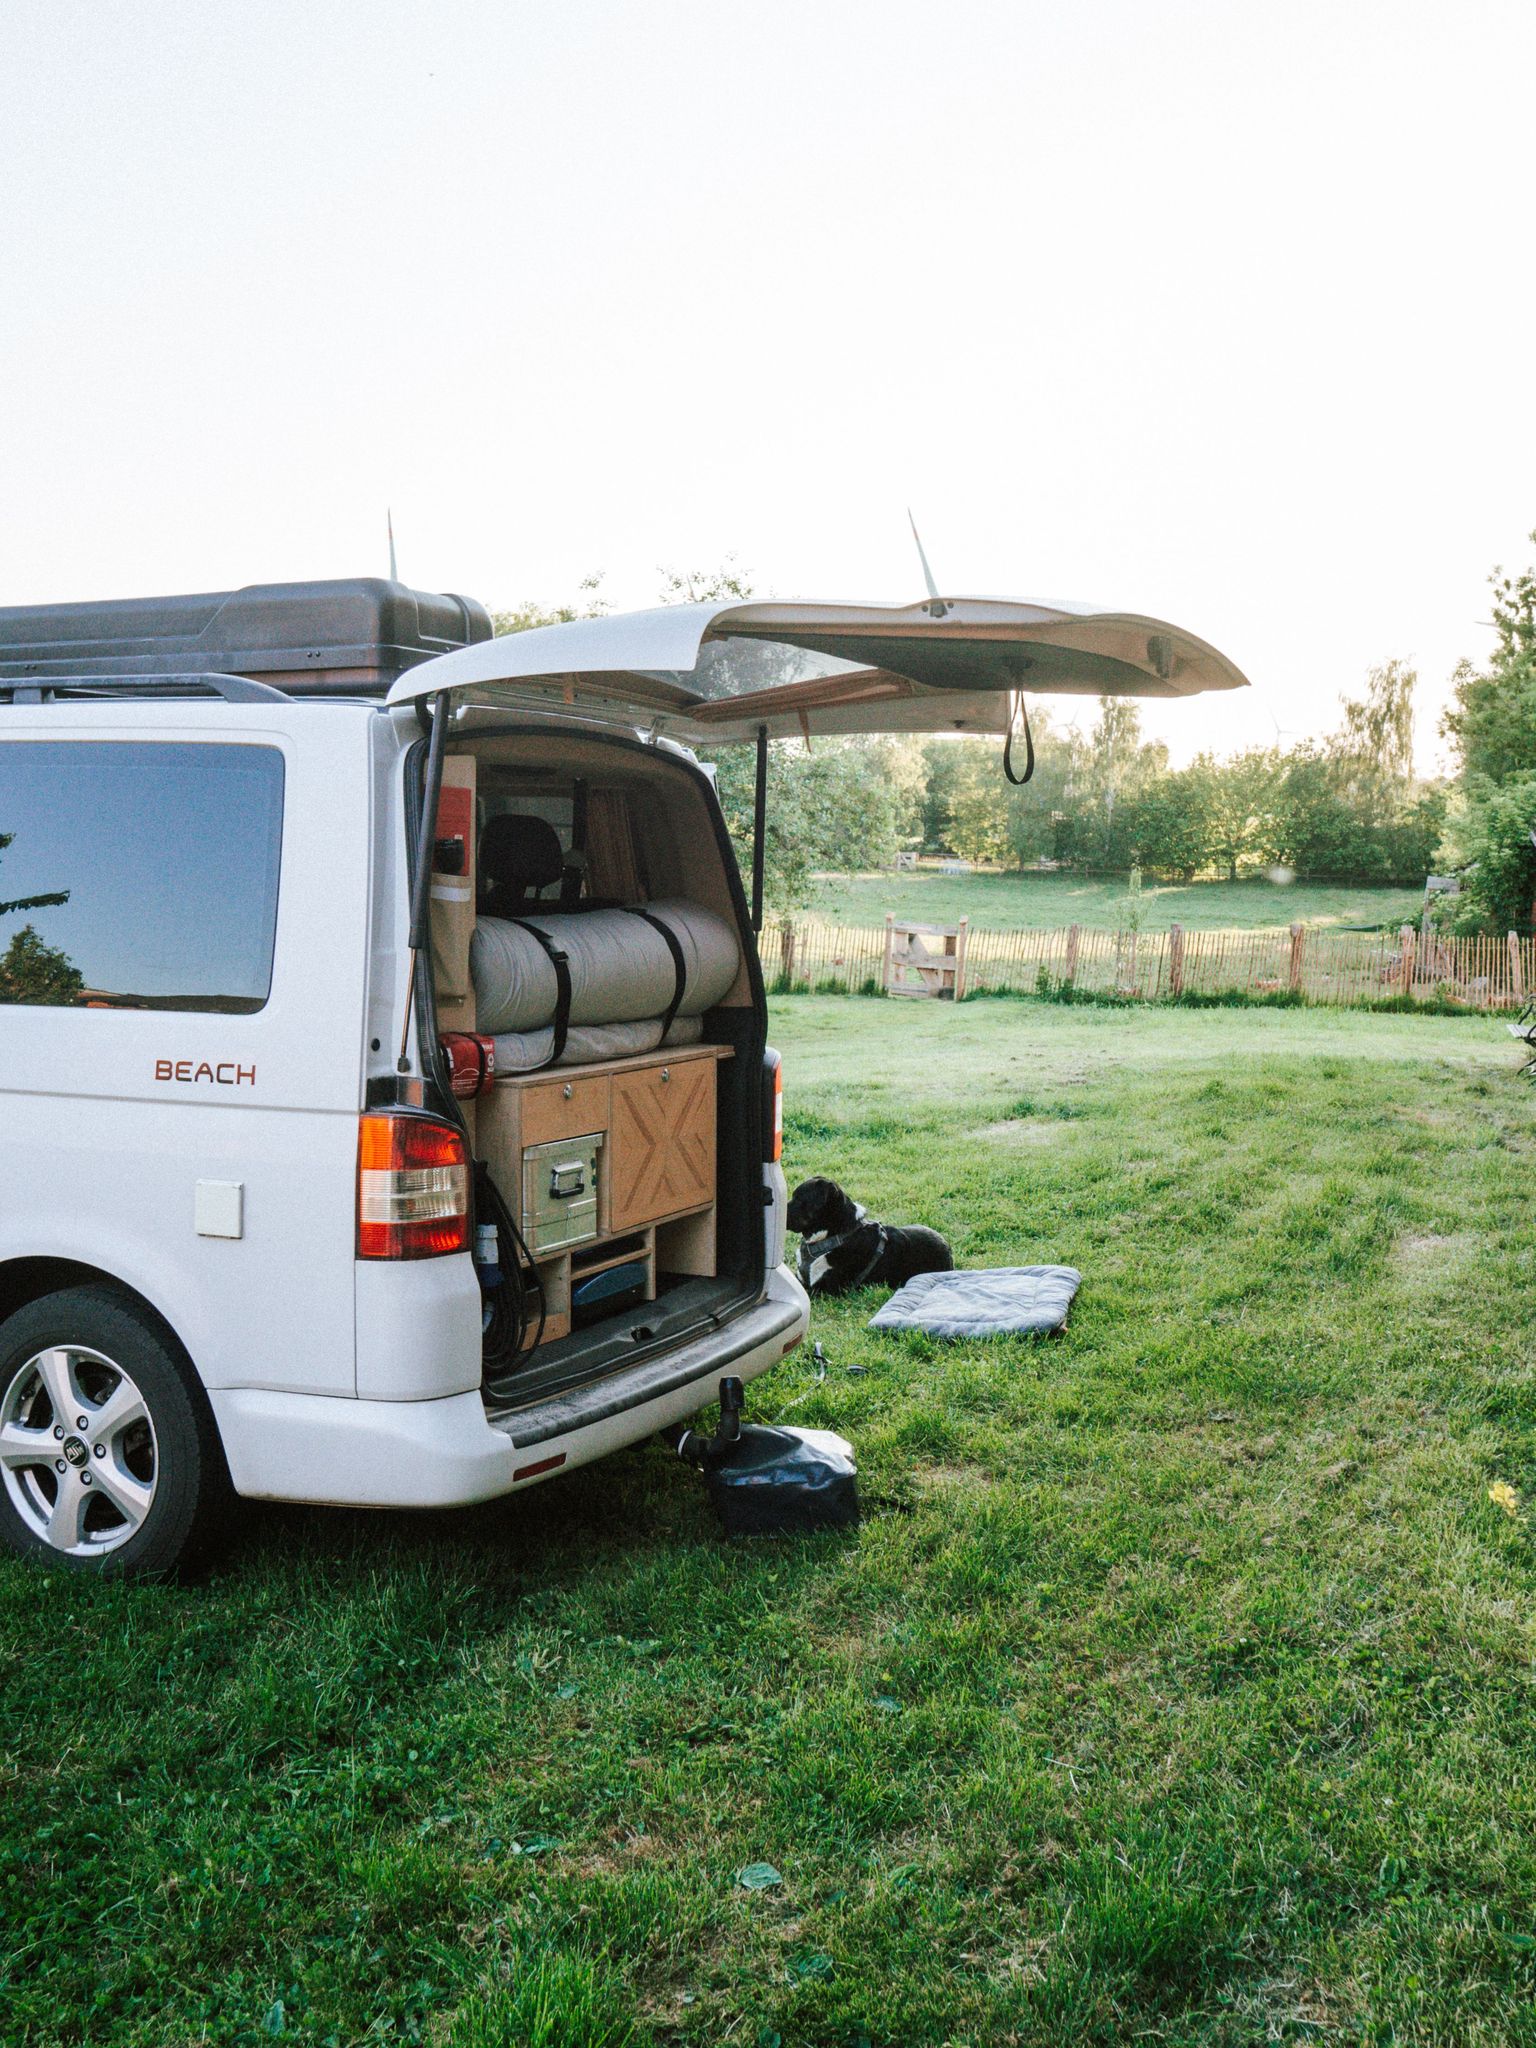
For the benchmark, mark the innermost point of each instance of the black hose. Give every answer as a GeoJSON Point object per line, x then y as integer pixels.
{"type": "Point", "coordinates": [507, 1346]}
{"type": "Point", "coordinates": [705, 1451]}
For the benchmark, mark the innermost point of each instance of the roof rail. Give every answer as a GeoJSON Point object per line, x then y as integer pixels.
{"type": "Point", "coordinates": [233, 689]}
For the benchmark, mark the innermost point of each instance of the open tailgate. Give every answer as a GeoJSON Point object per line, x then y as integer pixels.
{"type": "Point", "coordinates": [712, 672]}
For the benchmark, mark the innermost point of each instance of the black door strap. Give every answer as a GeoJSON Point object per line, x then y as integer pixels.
{"type": "Point", "coordinates": [1019, 713]}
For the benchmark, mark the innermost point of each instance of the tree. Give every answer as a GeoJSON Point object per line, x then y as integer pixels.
{"type": "Point", "coordinates": [899, 762]}
{"type": "Point", "coordinates": [1492, 723]}
{"type": "Point", "coordinates": [836, 807]}
{"type": "Point", "coordinates": [968, 807]}
{"type": "Point", "coordinates": [1491, 720]}
{"type": "Point", "coordinates": [1170, 825]}
{"type": "Point", "coordinates": [48, 901]}
{"type": "Point", "coordinates": [706, 586]}
{"type": "Point", "coordinates": [1112, 752]}
{"type": "Point", "coordinates": [1106, 775]}
{"type": "Point", "coordinates": [521, 618]}
{"type": "Point", "coordinates": [965, 808]}
{"type": "Point", "coordinates": [1489, 838]}
{"type": "Point", "coordinates": [1240, 799]}
{"type": "Point", "coordinates": [978, 829]}
{"type": "Point", "coordinates": [32, 972]}
{"type": "Point", "coordinates": [1378, 727]}
{"type": "Point", "coordinates": [943, 769]}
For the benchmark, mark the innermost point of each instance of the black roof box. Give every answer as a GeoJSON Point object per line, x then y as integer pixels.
{"type": "Point", "coordinates": [350, 637]}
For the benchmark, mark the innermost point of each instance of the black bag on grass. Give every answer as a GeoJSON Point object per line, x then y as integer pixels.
{"type": "Point", "coordinates": [784, 1481]}
{"type": "Point", "coordinates": [766, 1481]}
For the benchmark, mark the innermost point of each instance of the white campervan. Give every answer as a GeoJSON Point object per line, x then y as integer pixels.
{"type": "Point", "coordinates": [386, 1116]}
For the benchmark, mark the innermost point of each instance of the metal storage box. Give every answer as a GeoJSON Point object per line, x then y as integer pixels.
{"type": "Point", "coordinates": [560, 1193]}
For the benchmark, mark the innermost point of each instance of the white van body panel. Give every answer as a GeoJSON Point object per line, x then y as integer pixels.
{"type": "Point", "coordinates": [114, 1187]}
{"type": "Point", "coordinates": [449, 1452]}
{"type": "Point", "coordinates": [113, 1116]}
{"type": "Point", "coordinates": [398, 1299]}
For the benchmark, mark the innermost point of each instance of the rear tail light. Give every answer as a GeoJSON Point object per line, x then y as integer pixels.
{"type": "Point", "coordinates": [773, 1106]}
{"type": "Point", "coordinates": [412, 1188]}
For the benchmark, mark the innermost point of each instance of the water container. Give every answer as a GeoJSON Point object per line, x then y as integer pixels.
{"type": "Point", "coordinates": [783, 1481]}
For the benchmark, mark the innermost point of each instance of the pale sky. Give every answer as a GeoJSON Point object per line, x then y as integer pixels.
{"type": "Point", "coordinates": [1219, 312]}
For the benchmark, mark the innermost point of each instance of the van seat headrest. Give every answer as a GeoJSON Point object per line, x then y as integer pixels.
{"type": "Point", "coordinates": [519, 854]}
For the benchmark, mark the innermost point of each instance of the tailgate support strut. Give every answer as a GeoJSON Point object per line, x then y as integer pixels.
{"type": "Point", "coordinates": [759, 826]}
{"type": "Point", "coordinates": [421, 880]}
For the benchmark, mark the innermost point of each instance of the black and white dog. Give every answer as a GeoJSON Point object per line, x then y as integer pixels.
{"type": "Point", "coordinates": [840, 1248]}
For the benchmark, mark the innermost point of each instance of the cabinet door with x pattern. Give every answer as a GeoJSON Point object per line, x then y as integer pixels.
{"type": "Point", "coordinates": [661, 1143]}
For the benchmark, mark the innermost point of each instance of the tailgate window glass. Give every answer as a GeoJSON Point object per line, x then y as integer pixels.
{"type": "Point", "coordinates": [138, 876]}
{"type": "Point", "coordinates": [738, 667]}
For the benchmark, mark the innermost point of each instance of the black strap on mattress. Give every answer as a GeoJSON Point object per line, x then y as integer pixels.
{"type": "Point", "coordinates": [562, 966]}
{"type": "Point", "coordinates": [679, 966]}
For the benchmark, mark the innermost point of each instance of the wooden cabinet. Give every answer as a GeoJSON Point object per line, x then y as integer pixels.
{"type": "Point", "coordinates": [520, 1113]}
{"type": "Point", "coordinates": [564, 1109]}
{"type": "Point", "coordinates": [655, 1116]}
{"type": "Point", "coordinates": [661, 1142]}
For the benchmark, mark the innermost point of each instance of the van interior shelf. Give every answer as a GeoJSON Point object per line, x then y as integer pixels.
{"type": "Point", "coordinates": [610, 1170]}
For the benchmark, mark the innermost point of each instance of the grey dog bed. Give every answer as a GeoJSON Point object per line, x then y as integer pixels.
{"type": "Point", "coordinates": [1000, 1301]}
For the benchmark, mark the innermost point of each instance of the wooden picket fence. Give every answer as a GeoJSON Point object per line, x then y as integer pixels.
{"type": "Point", "coordinates": [1317, 965]}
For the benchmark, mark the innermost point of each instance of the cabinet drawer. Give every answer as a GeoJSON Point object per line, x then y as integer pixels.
{"type": "Point", "coordinates": [661, 1142]}
{"type": "Point", "coordinates": [564, 1109]}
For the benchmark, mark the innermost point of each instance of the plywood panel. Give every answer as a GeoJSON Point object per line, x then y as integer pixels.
{"type": "Point", "coordinates": [687, 1245]}
{"type": "Point", "coordinates": [661, 1153]}
{"type": "Point", "coordinates": [555, 1273]}
{"type": "Point", "coordinates": [452, 897]}
{"type": "Point", "coordinates": [564, 1109]}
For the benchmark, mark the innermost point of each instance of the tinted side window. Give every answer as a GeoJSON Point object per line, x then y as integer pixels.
{"type": "Point", "coordinates": [138, 876]}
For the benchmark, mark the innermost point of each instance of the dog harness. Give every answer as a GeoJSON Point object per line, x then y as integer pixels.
{"type": "Point", "coordinates": [817, 1251]}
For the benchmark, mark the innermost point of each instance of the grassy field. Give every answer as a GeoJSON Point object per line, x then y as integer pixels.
{"type": "Point", "coordinates": [1177, 1687]}
{"type": "Point", "coordinates": [1007, 902]}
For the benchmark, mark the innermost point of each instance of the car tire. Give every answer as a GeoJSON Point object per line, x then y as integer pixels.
{"type": "Point", "coordinates": [109, 1457]}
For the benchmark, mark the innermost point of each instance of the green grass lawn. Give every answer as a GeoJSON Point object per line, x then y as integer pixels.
{"type": "Point", "coordinates": [1009, 902]}
{"type": "Point", "coordinates": [1177, 1687]}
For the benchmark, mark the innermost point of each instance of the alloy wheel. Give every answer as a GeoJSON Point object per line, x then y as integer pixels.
{"type": "Point", "coordinates": [78, 1456]}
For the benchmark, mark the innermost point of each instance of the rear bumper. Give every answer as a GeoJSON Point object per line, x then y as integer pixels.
{"type": "Point", "coordinates": [449, 1452]}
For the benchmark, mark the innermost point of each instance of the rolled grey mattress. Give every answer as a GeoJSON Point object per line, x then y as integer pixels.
{"type": "Point", "coordinates": [519, 1052]}
{"type": "Point", "coordinates": [621, 968]}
